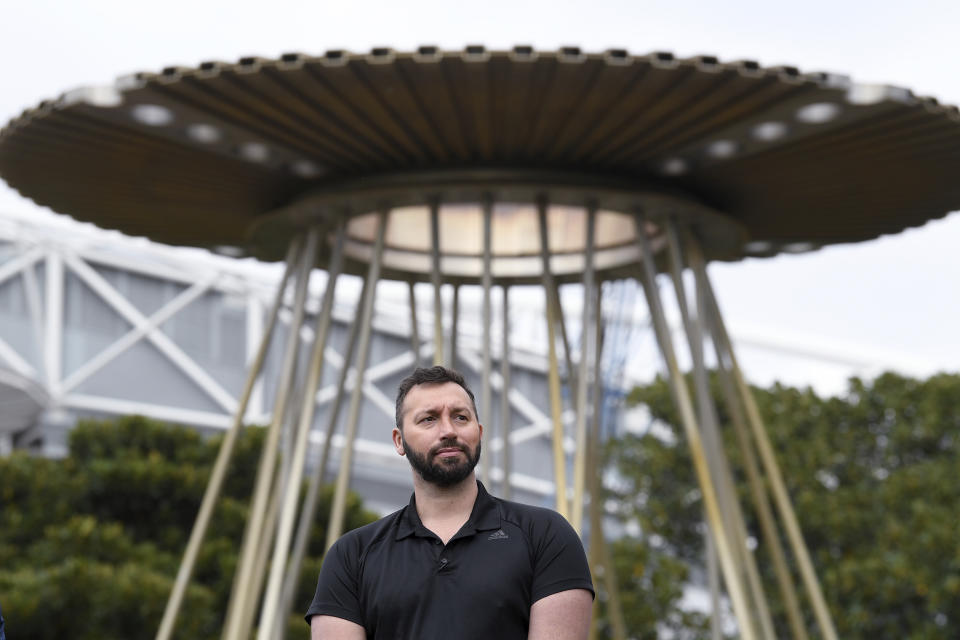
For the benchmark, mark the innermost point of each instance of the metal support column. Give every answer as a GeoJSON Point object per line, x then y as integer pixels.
{"type": "Point", "coordinates": [760, 500]}
{"type": "Point", "coordinates": [771, 467]}
{"type": "Point", "coordinates": [291, 496]}
{"type": "Point", "coordinates": [506, 460]}
{"type": "Point", "coordinates": [242, 598]}
{"type": "Point", "coordinates": [587, 348]}
{"type": "Point", "coordinates": [437, 283]}
{"type": "Point", "coordinates": [309, 509]}
{"type": "Point", "coordinates": [601, 560]}
{"type": "Point", "coordinates": [553, 374]}
{"type": "Point", "coordinates": [414, 326]}
{"type": "Point", "coordinates": [485, 400]}
{"type": "Point", "coordinates": [337, 510]}
{"type": "Point", "coordinates": [218, 474]}
{"type": "Point", "coordinates": [732, 515]}
{"type": "Point", "coordinates": [454, 327]}
{"type": "Point", "coordinates": [681, 394]}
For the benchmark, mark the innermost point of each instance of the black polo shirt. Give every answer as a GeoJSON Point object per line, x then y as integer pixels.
{"type": "Point", "coordinates": [398, 580]}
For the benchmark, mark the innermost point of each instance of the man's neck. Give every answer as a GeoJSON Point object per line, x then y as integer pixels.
{"type": "Point", "coordinates": [444, 510]}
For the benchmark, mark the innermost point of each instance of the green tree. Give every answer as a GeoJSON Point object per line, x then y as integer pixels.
{"type": "Point", "coordinates": [873, 475]}
{"type": "Point", "coordinates": [89, 545]}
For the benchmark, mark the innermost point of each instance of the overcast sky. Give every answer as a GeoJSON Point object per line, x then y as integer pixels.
{"type": "Point", "coordinates": [892, 302]}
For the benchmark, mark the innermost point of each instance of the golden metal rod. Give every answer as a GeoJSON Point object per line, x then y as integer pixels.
{"type": "Point", "coordinates": [553, 373]}
{"type": "Point", "coordinates": [754, 476]}
{"type": "Point", "coordinates": [255, 586]}
{"type": "Point", "coordinates": [738, 594]}
{"type": "Point", "coordinates": [486, 402]}
{"type": "Point", "coordinates": [715, 450]}
{"type": "Point", "coordinates": [309, 509]}
{"type": "Point", "coordinates": [506, 458]}
{"type": "Point", "coordinates": [218, 474]}
{"type": "Point", "coordinates": [598, 554]}
{"type": "Point", "coordinates": [253, 531]}
{"type": "Point", "coordinates": [713, 579]}
{"type": "Point", "coordinates": [560, 319]}
{"type": "Point", "coordinates": [281, 548]}
{"type": "Point", "coordinates": [338, 508]}
{"type": "Point", "coordinates": [414, 326]}
{"type": "Point", "coordinates": [762, 504]}
{"type": "Point", "coordinates": [772, 469]}
{"type": "Point", "coordinates": [587, 348]}
{"type": "Point", "coordinates": [615, 605]}
{"type": "Point", "coordinates": [437, 283]}
{"type": "Point", "coordinates": [454, 326]}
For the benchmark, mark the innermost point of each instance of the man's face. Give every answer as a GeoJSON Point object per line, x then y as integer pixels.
{"type": "Point", "coordinates": [441, 435]}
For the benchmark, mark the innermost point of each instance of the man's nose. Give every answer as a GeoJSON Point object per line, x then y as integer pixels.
{"type": "Point", "coordinates": [447, 428]}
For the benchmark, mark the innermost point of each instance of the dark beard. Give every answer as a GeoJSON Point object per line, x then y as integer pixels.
{"type": "Point", "coordinates": [442, 474]}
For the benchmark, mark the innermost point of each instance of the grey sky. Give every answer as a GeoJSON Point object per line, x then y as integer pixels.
{"type": "Point", "coordinates": [894, 300]}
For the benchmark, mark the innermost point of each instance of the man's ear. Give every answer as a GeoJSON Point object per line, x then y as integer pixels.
{"type": "Point", "coordinates": [398, 441]}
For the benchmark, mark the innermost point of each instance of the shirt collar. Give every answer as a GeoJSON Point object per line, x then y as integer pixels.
{"type": "Point", "coordinates": [485, 515]}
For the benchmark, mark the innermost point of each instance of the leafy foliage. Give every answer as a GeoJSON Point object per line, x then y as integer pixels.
{"type": "Point", "coordinates": [89, 545]}
{"type": "Point", "coordinates": [873, 475]}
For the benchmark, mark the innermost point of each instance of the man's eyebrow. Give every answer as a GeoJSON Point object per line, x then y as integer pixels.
{"type": "Point", "coordinates": [425, 410]}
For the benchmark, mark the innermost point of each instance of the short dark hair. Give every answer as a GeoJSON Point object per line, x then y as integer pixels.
{"type": "Point", "coordinates": [432, 375]}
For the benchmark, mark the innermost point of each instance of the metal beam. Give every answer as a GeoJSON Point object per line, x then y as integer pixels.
{"type": "Point", "coordinates": [436, 277]}
{"type": "Point", "coordinates": [272, 601]}
{"type": "Point", "coordinates": [732, 515]}
{"type": "Point", "coordinates": [454, 327]}
{"type": "Point", "coordinates": [486, 402]}
{"type": "Point", "coordinates": [771, 467]}
{"type": "Point", "coordinates": [506, 456]}
{"type": "Point", "coordinates": [337, 510]}
{"type": "Point", "coordinates": [160, 340]}
{"type": "Point", "coordinates": [414, 325]}
{"type": "Point", "coordinates": [245, 582]}
{"type": "Point", "coordinates": [15, 265]}
{"type": "Point", "coordinates": [139, 331]}
{"type": "Point", "coordinates": [553, 373]}
{"type": "Point", "coordinates": [587, 347]}
{"type": "Point", "coordinates": [218, 474]}
{"type": "Point", "coordinates": [681, 394]}
{"type": "Point", "coordinates": [53, 325]}
{"type": "Point", "coordinates": [309, 508]}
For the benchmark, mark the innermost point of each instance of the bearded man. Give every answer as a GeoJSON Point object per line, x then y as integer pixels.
{"type": "Point", "coordinates": [456, 562]}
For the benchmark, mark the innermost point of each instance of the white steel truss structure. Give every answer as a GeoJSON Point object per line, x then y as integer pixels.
{"type": "Point", "coordinates": [94, 324]}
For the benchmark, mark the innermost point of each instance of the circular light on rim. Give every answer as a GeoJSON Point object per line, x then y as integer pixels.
{"type": "Point", "coordinates": [769, 131]}
{"type": "Point", "coordinates": [203, 133]}
{"type": "Point", "coordinates": [674, 167]}
{"type": "Point", "coordinates": [818, 112]}
{"type": "Point", "coordinates": [758, 246]}
{"type": "Point", "coordinates": [722, 148]}
{"type": "Point", "coordinates": [799, 247]}
{"type": "Point", "coordinates": [152, 115]}
{"type": "Point", "coordinates": [306, 169]}
{"type": "Point", "coordinates": [255, 152]}
{"type": "Point", "coordinates": [229, 251]}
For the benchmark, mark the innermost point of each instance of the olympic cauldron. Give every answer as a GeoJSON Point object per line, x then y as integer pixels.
{"type": "Point", "coordinates": [494, 169]}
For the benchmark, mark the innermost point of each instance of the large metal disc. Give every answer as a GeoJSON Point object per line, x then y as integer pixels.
{"type": "Point", "coordinates": [205, 156]}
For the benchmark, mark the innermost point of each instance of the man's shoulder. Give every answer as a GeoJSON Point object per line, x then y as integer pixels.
{"type": "Point", "coordinates": [529, 516]}
{"type": "Point", "coordinates": [368, 534]}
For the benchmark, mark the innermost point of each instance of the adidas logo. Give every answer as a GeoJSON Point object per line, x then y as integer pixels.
{"type": "Point", "coordinates": [498, 535]}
